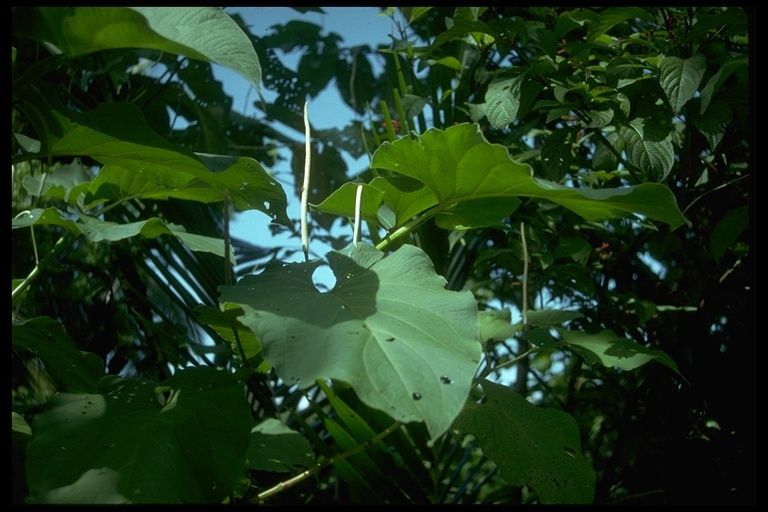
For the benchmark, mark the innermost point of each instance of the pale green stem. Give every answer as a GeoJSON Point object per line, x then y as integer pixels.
{"type": "Point", "coordinates": [305, 186]}
{"type": "Point", "coordinates": [311, 471]}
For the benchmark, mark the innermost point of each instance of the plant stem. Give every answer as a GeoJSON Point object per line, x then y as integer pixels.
{"type": "Point", "coordinates": [59, 246]}
{"type": "Point", "coordinates": [325, 463]}
{"type": "Point", "coordinates": [305, 185]}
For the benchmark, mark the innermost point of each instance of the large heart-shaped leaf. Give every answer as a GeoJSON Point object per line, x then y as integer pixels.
{"type": "Point", "coordinates": [389, 328]}
{"type": "Point", "coordinates": [458, 164]}
{"type": "Point", "coordinates": [530, 445]}
{"type": "Point", "coordinates": [466, 182]}
{"type": "Point", "coordinates": [123, 446]}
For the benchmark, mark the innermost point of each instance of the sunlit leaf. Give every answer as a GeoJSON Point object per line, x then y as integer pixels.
{"type": "Point", "coordinates": [496, 325]}
{"type": "Point", "coordinates": [369, 330]}
{"type": "Point", "coordinates": [502, 99]}
{"type": "Point", "coordinates": [117, 134]}
{"type": "Point", "coordinates": [458, 164]}
{"type": "Point", "coordinates": [203, 33]}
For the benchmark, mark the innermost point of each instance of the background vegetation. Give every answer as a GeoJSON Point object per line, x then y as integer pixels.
{"type": "Point", "coordinates": [552, 300]}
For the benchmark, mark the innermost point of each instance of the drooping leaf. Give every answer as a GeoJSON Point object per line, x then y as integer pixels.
{"type": "Point", "coordinates": [369, 330]}
{"type": "Point", "coordinates": [609, 349]}
{"type": "Point", "coordinates": [128, 448]}
{"type": "Point", "coordinates": [97, 230]}
{"type": "Point", "coordinates": [203, 33]}
{"type": "Point", "coordinates": [117, 134]}
{"type": "Point", "coordinates": [530, 445]}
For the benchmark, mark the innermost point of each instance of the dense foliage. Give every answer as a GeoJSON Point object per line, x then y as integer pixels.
{"type": "Point", "coordinates": [542, 285]}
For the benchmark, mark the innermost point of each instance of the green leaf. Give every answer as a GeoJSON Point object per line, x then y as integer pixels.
{"type": "Point", "coordinates": [368, 331]}
{"type": "Point", "coordinates": [609, 349]}
{"type": "Point", "coordinates": [477, 213]}
{"type": "Point", "coordinates": [716, 81]}
{"type": "Point", "coordinates": [680, 78]}
{"type": "Point", "coordinates": [530, 445]}
{"type": "Point", "coordinates": [714, 123]}
{"type": "Point", "coordinates": [276, 447]}
{"type": "Point", "coordinates": [73, 371]}
{"type": "Point", "coordinates": [123, 446]}
{"type": "Point", "coordinates": [649, 148]}
{"type": "Point", "coordinates": [97, 230]}
{"type": "Point", "coordinates": [496, 325]}
{"type": "Point", "coordinates": [727, 231]}
{"type": "Point", "coordinates": [613, 16]}
{"type": "Point", "coordinates": [539, 337]}
{"type": "Point", "coordinates": [115, 183]}
{"type": "Point", "coordinates": [403, 196]}
{"type": "Point", "coordinates": [557, 154]}
{"type": "Point", "coordinates": [460, 29]}
{"type": "Point", "coordinates": [68, 182]}
{"type": "Point", "coordinates": [550, 317]}
{"type": "Point", "coordinates": [416, 13]}
{"type": "Point", "coordinates": [339, 201]}
{"type": "Point", "coordinates": [458, 164]}
{"type": "Point", "coordinates": [503, 99]}
{"type": "Point", "coordinates": [117, 134]}
{"type": "Point", "coordinates": [203, 33]}
{"type": "Point", "coordinates": [225, 323]}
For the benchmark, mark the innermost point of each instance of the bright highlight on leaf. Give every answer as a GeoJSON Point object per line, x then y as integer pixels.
{"type": "Point", "coordinates": [389, 328]}
{"type": "Point", "coordinates": [463, 181]}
